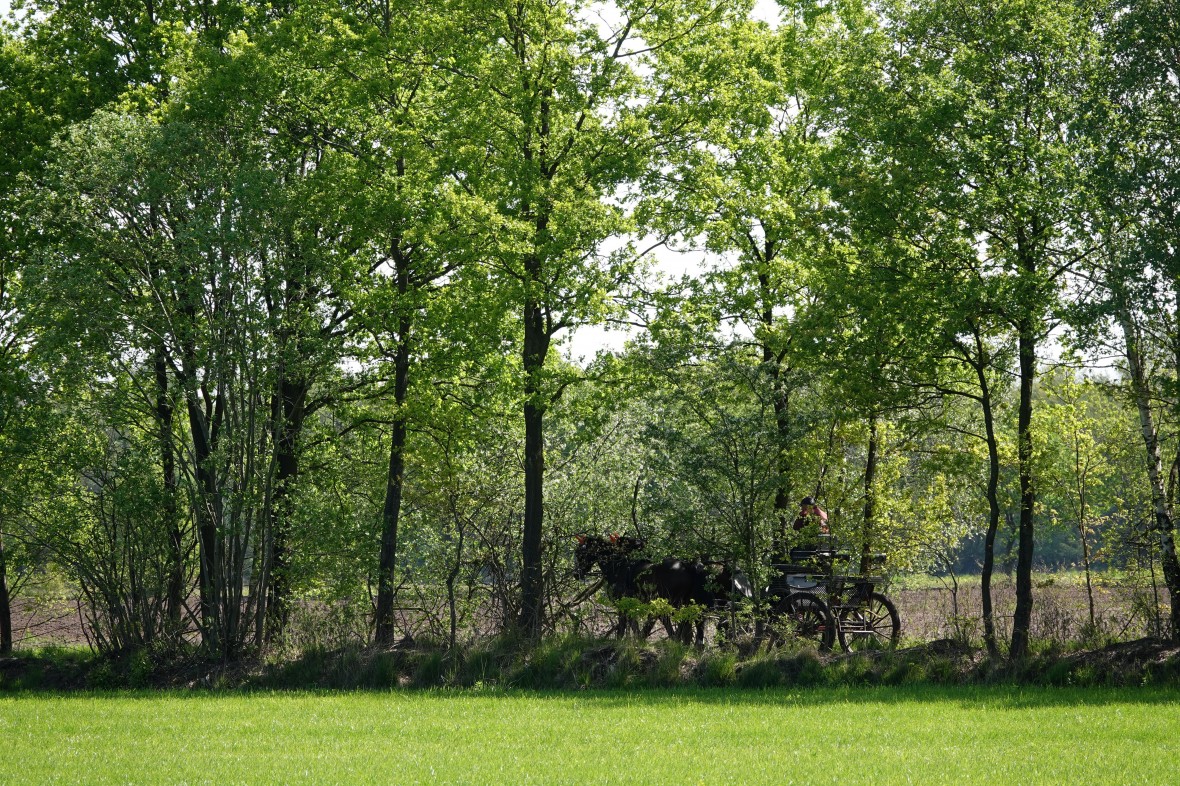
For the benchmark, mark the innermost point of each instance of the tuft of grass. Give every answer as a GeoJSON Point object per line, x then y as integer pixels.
{"type": "Point", "coordinates": [718, 668]}
{"type": "Point", "coordinates": [761, 673]}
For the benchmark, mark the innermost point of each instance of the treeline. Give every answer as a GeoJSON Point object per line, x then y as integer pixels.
{"type": "Point", "coordinates": [284, 289]}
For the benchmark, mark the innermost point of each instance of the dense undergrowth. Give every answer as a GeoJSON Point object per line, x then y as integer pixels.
{"type": "Point", "coordinates": [571, 663]}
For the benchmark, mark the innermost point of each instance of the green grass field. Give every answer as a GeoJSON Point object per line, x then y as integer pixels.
{"type": "Point", "coordinates": [878, 735]}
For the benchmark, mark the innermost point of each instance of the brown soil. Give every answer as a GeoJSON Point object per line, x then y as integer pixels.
{"type": "Point", "coordinates": [1061, 613]}
{"type": "Point", "coordinates": [39, 622]}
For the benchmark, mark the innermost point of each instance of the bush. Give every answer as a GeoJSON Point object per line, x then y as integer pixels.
{"type": "Point", "coordinates": [718, 668]}
{"type": "Point", "coordinates": [761, 673]}
{"type": "Point", "coordinates": [669, 666]}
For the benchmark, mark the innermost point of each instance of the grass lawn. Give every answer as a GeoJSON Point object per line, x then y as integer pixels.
{"type": "Point", "coordinates": [871, 735]}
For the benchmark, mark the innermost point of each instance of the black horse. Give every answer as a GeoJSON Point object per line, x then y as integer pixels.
{"type": "Point", "coordinates": [680, 582]}
{"type": "Point", "coordinates": [716, 585]}
{"type": "Point", "coordinates": [620, 570]}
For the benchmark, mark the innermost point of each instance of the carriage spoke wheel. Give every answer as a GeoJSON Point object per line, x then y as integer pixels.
{"type": "Point", "coordinates": [873, 626]}
{"type": "Point", "coordinates": [802, 616]}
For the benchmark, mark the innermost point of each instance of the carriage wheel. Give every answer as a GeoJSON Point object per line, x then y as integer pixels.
{"type": "Point", "coordinates": [802, 615]}
{"type": "Point", "coordinates": [873, 626]}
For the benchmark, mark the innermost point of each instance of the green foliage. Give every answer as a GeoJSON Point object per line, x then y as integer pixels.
{"type": "Point", "coordinates": [264, 270]}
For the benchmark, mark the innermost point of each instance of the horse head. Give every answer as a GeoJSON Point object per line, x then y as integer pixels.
{"type": "Point", "coordinates": [588, 551]}
{"type": "Point", "coordinates": [608, 553]}
{"type": "Point", "coordinates": [625, 545]}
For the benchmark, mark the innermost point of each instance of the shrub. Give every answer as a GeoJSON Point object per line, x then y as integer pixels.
{"type": "Point", "coordinates": [760, 673]}
{"type": "Point", "coordinates": [718, 668]}
{"type": "Point", "coordinates": [669, 662]}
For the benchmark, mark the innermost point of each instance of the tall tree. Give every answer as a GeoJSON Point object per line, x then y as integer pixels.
{"type": "Point", "coordinates": [380, 88]}
{"type": "Point", "coordinates": [41, 95]}
{"type": "Point", "coordinates": [555, 119]}
{"type": "Point", "coordinates": [207, 247]}
{"type": "Point", "coordinates": [1136, 215]}
{"type": "Point", "coordinates": [745, 183]}
{"type": "Point", "coordinates": [976, 109]}
{"type": "Point", "coordinates": [61, 63]}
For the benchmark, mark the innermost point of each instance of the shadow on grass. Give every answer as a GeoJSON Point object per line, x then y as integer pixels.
{"type": "Point", "coordinates": [992, 697]}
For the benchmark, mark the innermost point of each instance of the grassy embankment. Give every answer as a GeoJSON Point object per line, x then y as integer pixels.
{"type": "Point", "coordinates": [870, 735]}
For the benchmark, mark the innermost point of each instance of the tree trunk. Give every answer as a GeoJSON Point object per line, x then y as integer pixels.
{"type": "Point", "coordinates": [781, 398]}
{"type": "Point", "coordinates": [537, 334]}
{"type": "Point", "coordinates": [1164, 522]}
{"type": "Point", "coordinates": [782, 506]}
{"type": "Point", "coordinates": [536, 347]}
{"type": "Point", "coordinates": [164, 420]}
{"type": "Point", "coordinates": [1080, 475]}
{"type": "Point", "coordinates": [208, 501]}
{"type": "Point", "coordinates": [287, 413]}
{"type": "Point", "coordinates": [866, 534]}
{"type": "Point", "coordinates": [782, 491]}
{"type": "Point", "coordinates": [1022, 618]}
{"type": "Point", "coordinates": [208, 506]}
{"type": "Point", "coordinates": [452, 575]}
{"type": "Point", "coordinates": [993, 501]}
{"type": "Point", "coordinates": [391, 512]}
{"type": "Point", "coordinates": [1086, 566]}
{"type": "Point", "coordinates": [395, 474]}
{"type": "Point", "coordinates": [5, 603]}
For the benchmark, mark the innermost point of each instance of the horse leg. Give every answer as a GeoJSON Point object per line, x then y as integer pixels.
{"type": "Point", "coordinates": [680, 631]}
{"type": "Point", "coordinates": [649, 624]}
{"type": "Point", "coordinates": [670, 627]}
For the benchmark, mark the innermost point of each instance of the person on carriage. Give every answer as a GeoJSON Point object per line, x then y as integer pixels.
{"type": "Point", "coordinates": [811, 513]}
{"type": "Point", "coordinates": [812, 526]}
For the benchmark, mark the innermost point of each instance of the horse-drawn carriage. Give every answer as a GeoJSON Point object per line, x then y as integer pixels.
{"type": "Point", "coordinates": [808, 597]}
{"type": "Point", "coordinates": [858, 615]}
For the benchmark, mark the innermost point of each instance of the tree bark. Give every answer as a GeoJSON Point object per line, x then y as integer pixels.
{"type": "Point", "coordinates": [993, 501]}
{"type": "Point", "coordinates": [537, 334]}
{"type": "Point", "coordinates": [391, 512]}
{"type": "Point", "coordinates": [781, 399]}
{"type": "Point", "coordinates": [1080, 476]}
{"type": "Point", "coordinates": [870, 510]}
{"type": "Point", "coordinates": [1164, 521]}
{"type": "Point", "coordinates": [5, 603]}
{"type": "Point", "coordinates": [782, 491]}
{"type": "Point", "coordinates": [288, 413]}
{"type": "Point", "coordinates": [165, 421]}
{"type": "Point", "coordinates": [452, 575]}
{"type": "Point", "coordinates": [536, 347]}
{"type": "Point", "coordinates": [208, 505]}
{"type": "Point", "coordinates": [208, 499]}
{"type": "Point", "coordinates": [1022, 618]}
